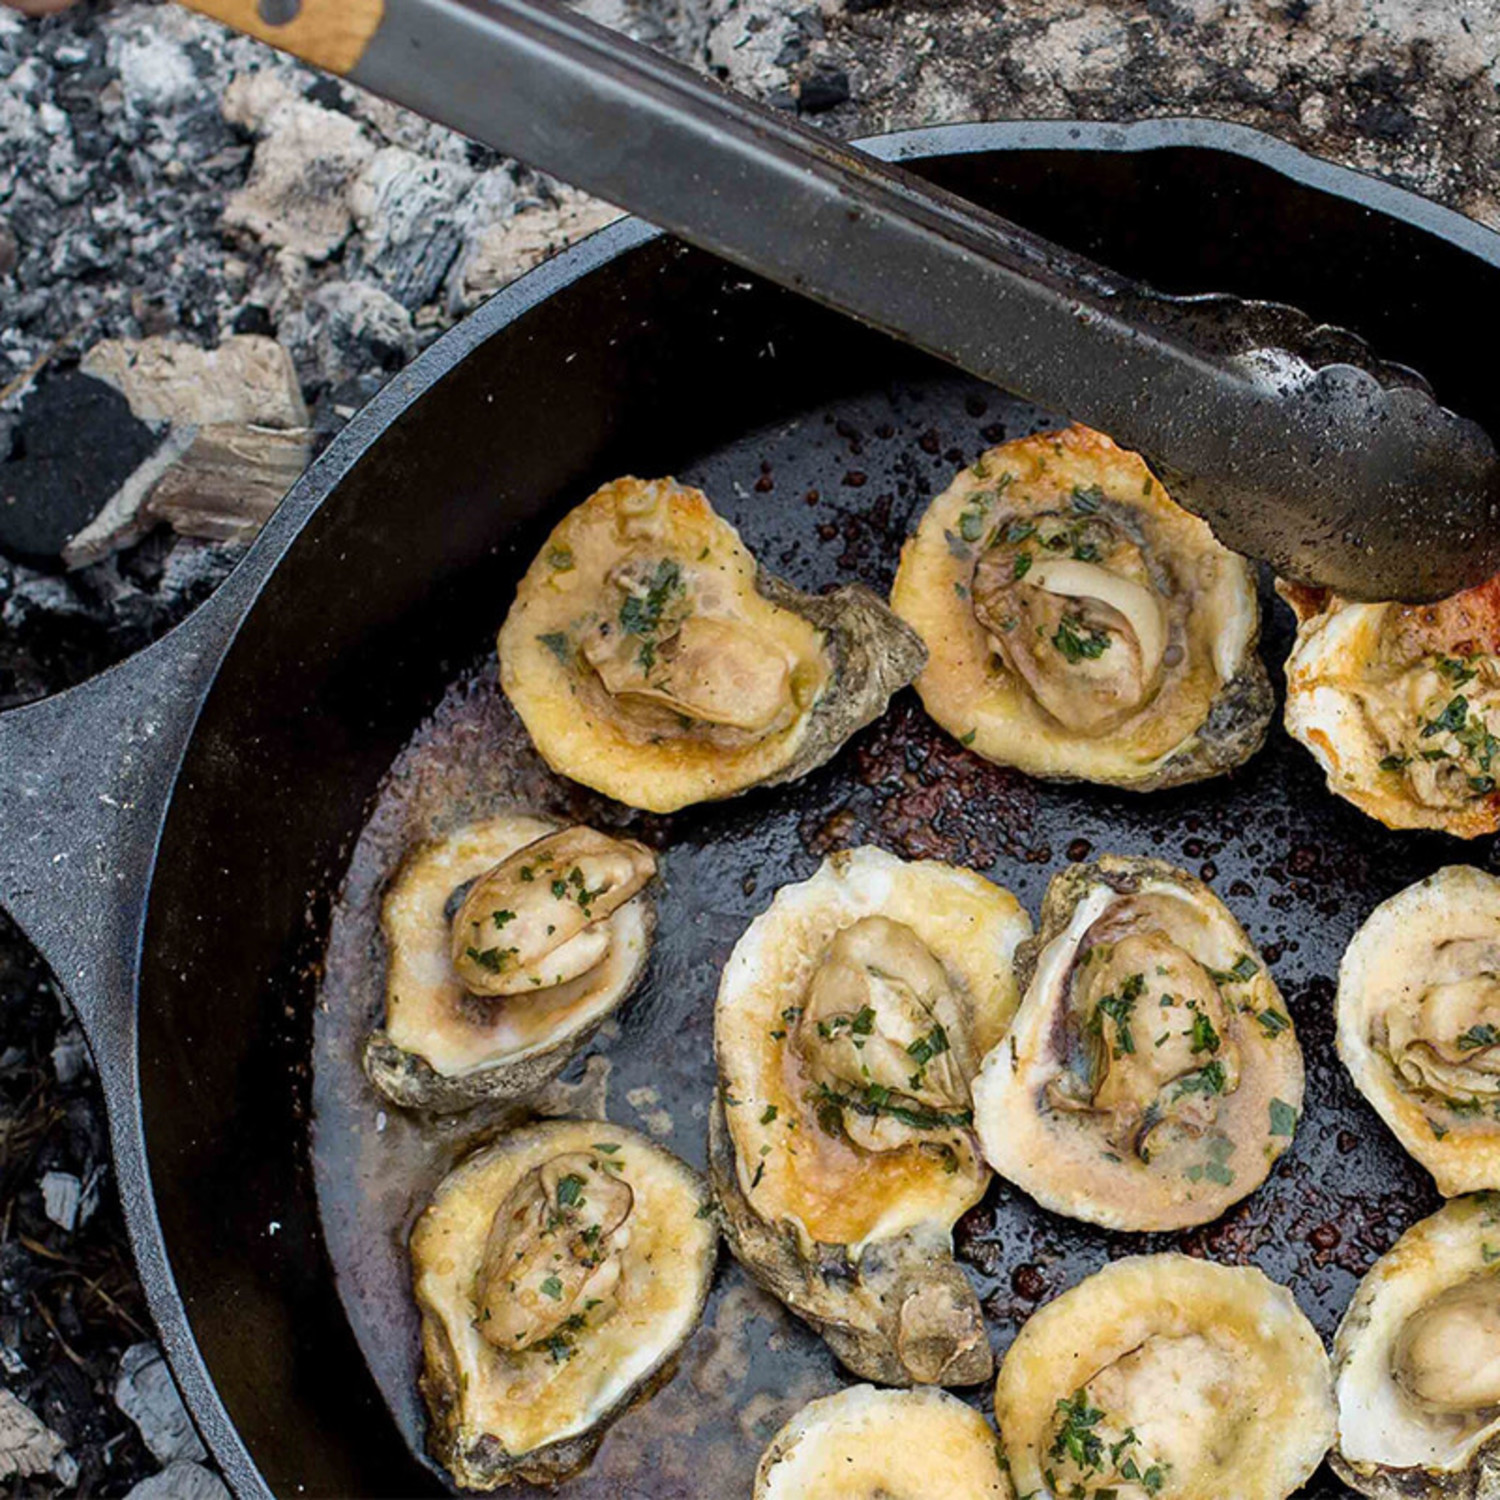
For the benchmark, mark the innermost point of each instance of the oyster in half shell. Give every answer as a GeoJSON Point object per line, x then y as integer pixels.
{"type": "Point", "coordinates": [1419, 1023]}
{"type": "Point", "coordinates": [652, 659]}
{"type": "Point", "coordinates": [558, 1272]}
{"type": "Point", "coordinates": [1400, 705]}
{"type": "Point", "coordinates": [508, 942]}
{"type": "Point", "coordinates": [1164, 1376]}
{"type": "Point", "coordinates": [851, 1016]}
{"type": "Point", "coordinates": [1082, 626]}
{"type": "Point", "coordinates": [1152, 1074]}
{"type": "Point", "coordinates": [1417, 1362]}
{"type": "Point", "coordinates": [864, 1443]}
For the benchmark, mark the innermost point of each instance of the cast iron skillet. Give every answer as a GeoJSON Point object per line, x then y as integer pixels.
{"type": "Point", "coordinates": [171, 832]}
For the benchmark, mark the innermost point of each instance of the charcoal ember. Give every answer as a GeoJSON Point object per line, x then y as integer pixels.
{"type": "Point", "coordinates": [346, 327]}
{"type": "Point", "coordinates": [75, 443]}
{"type": "Point", "coordinates": [297, 197]}
{"type": "Point", "coordinates": [29, 1447]}
{"type": "Point", "coordinates": [407, 210]}
{"type": "Point", "coordinates": [147, 1394]}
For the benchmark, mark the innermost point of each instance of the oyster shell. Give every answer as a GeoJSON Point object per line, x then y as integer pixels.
{"type": "Point", "coordinates": [1166, 1376]}
{"type": "Point", "coordinates": [863, 1443]}
{"type": "Point", "coordinates": [1400, 705]}
{"type": "Point", "coordinates": [508, 942]}
{"type": "Point", "coordinates": [558, 1272]}
{"type": "Point", "coordinates": [1417, 1362]}
{"type": "Point", "coordinates": [850, 1018]}
{"type": "Point", "coordinates": [1419, 1023]}
{"type": "Point", "coordinates": [1152, 1074]}
{"type": "Point", "coordinates": [1081, 626]}
{"type": "Point", "coordinates": [652, 659]}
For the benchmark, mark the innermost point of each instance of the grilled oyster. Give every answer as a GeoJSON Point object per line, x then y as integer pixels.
{"type": "Point", "coordinates": [1166, 1376]}
{"type": "Point", "coordinates": [850, 1018]}
{"type": "Point", "coordinates": [507, 943]}
{"type": "Point", "coordinates": [651, 659]}
{"type": "Point", "coordinates": [863, 1443]}
{"type": "Point", "coordinates": [1152, 1074]}
{"type": "Point", "coordinates": [1400, 705]}
{"type": "Point", "coordinates": [1082, 626]}
{"type": "Point", "coordinates": [1417, 1362]}
{"type": "Point", "coordinates": [558, 1271]}
{"type": "Point", "coordinates": [1419, 1023]}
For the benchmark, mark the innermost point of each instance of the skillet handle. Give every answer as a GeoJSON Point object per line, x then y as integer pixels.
{"type": "Point", "coordinates": [84, 781]}
{"type": "Point", "coordinates": [331, 34]}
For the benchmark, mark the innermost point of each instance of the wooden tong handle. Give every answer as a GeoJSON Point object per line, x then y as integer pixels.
{"type": "Point", "coordinates": [331, 34]}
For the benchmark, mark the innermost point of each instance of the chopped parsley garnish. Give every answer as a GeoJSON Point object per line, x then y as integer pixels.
{"type": "Point", "coordinates": [925, 1048]}
{"type": "Point", "coordinates": [500, 918]}
{"type": "Point", "coordinates": [552, 1287]}
{"type": "Point", "coordinates": [491, 960]}
{"type": "Point", "coordinates": [1087, 498]}
{"type": "Point", "coordinates": [1395, 762]}
{"type": "Point", "coordinates": [864, 1021]}
{"type": "Point", "coordinates": [1022, 564]}
{"type": "Point", "coordinates": [769, 1115]}
{"type": "Point", "coordinates": [1078, 643]}
{"type": "Point", "coordinates": [570, 1191]}
{"type": "Point", "coordinates": [1455, 671]}
{"type": "Point", "coordinates": [968, 739]}
{"type": "Point", "coordinates": [1076, 1438]}
{"type": "Point", "coordinates": [1451, 720]}
{"type": "Point", "coordinates": [971, 525]}
{"type": "Point", "coordinates": [877, 1101]}
{"type": "Point", "coordinates": [760, 1171]}
{"type": "Point", "coordinates": [1118, 1009]}
{"type": "Point", "coordinates": [1205, 1038]}
{"type": "Point", "coordinates": [642, 614]}
{"type": "Point", "coordinates": [607, 1147]}
{"type": "Point", "coordinates": [1273, 1023]}
{"type": "Point", "coordinates": [557, 643]}
{"type": "Point", "coordinates": [1244, 968]}
{"type": "Point", "coordinates": [1018, 531]}
{"type": "Point", "coordinates": [561, 559]}
{"type": "Point", "coordinates": [1283, 1118]}
{"type": "Point", "coordinates": [1483, 1035]}
{"type": "Point", "coordinates": [1207, 1080]}
{"type": "Point", "coordinates": [559, 888]}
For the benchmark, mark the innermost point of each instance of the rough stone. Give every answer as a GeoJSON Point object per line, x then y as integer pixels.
{"type": "Point", "coordinates": [145, 1392]}
{"type": "Point", "coordinates": [181, 1481]}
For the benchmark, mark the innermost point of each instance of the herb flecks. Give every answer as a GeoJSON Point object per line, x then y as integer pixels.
{"type": "Point", "coordinates": [1079, 642]}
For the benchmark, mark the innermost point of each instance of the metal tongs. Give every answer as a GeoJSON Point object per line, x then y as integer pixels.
{"type": "Point", "coordinates": [1289, 438]}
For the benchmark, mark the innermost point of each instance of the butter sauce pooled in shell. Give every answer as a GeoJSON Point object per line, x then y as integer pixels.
{"type": "Point", "coordinates": [1152, 1074]}
{"type": "Point", "coordinates": [508, 942]}
{"type": "Point", "coordinates": [1080, 624]}
{"type": "Point", "coordinates": [1419, 1023]}
{"type": "Point", "coordinates": [1400, 705]}
{"type": "Point", "coordinates": [1163, 1377]}
{"type": "Point", "coordinates": [651, 658]}
{"type": "Point", "coordinates": [558, 1272]}
{"type": "Point", "coordinates": [850, 1019]}
{"type": "Point", "coordinates": [863, 1443]}
{"type": "Point", "coordinates": [1417, 1362]}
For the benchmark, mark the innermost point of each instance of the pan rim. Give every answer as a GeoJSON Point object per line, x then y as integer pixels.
{"type": "Point", "coordinates": [320, 482]}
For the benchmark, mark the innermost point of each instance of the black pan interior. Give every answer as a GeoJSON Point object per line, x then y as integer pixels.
{"type": "Point", "coordinates": [662, 361]}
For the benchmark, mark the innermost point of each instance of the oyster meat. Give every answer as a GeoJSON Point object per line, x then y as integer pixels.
{"type": "Point", "coordinates": [864, 1443]}
{"type": "Point", "coordinates": [1417, 1362]}
{"type": "Point", "coordinates": [1168, 1377]}
{"type": "Point", "coordinates": [1152, 1074]}
{"type": "Point", "coordinates": [851, 1016]}
{"type": "Point", "coordinates": [508, 942]}
{"type": "Point", "coordinates": [1082, 626]}
{"type": "Point", "coordinates": [652, 659]}
{"type": "Point", "coordinates": [1419, 1023]}
{"type": "Point", "coordinates": [558, 1272]}
{"type": "Point", "coordinates": [1400, 705]}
